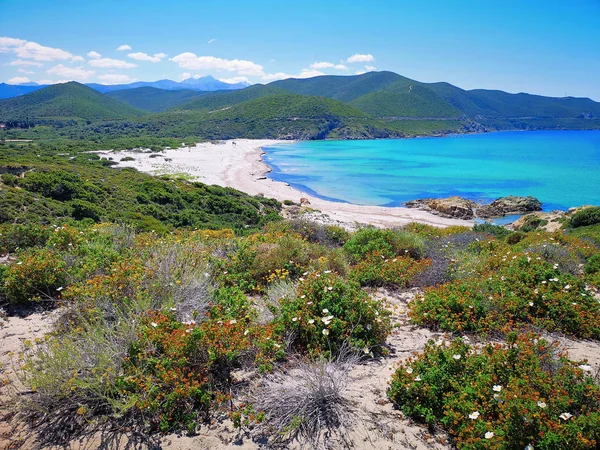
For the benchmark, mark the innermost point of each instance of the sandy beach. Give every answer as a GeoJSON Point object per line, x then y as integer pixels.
{"type": "Point", "coordinates": [238, 164]}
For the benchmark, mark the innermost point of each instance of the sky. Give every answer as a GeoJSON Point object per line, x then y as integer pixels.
{"type": "Point", "coordinates": [546, 47]}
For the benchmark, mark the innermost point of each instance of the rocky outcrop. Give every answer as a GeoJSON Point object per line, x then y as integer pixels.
{"type": "Point", "coordinates": [509, 205]}
{"type": "Point", "coordinates": [462, 208]}
{"type": "Point", "coordinates": [451, 207]}
{"type": "Point", "coordinates": [543, 221]}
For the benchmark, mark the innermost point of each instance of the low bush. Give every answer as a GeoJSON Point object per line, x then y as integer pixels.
{"type": "Point", "coordinates": [15, 237]}
{"type": "Point", "coordinates": [497, 231]}
{"type": "Point", "coordinates": [39, 273]}
{"type": "Point", "coordinates": [377, 270]}
{"type": "Point", "coordinates": [389, 243]}
{"type": "Point", "coordinates": [329, 311]}
{"type": "Point", "coordinates": [526, 394]}
{"type": "Point", "coordinates": [585, 217]}
{"type": "Point", "coordinates": [520, 290]}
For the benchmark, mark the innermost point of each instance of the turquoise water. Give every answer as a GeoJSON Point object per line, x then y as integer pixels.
{"type": "Point", "coordinates": [560, 168]}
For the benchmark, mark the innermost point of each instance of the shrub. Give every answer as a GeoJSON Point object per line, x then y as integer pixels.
{"type": "Point", "coordinates": [329, 311]}
{"type": "Point", "coordinates": [37, 274]}
{"type": "Point", "coordinates": [593, 264]}
{"type": "Point", "coordinates": [389, 243]}
{"type": "Point", "coordinates": [307, 403]}
{"type": "Point", "coordinates": [524, 394]}
{"type": "Point", "coordinates": [21, 236]}
{"type": "Point", "coordinates": [9, 179]}
{"type": "Point", "coordinates": [585, 217]}
{"type": "Point", "coordinates": [377, 270]}
{"type": "Point", "coordinates": [495, 230]}
{"type": "Point", "coordinates": [515, 238]}
{"type": "Point", "coordinates": [520, 289]}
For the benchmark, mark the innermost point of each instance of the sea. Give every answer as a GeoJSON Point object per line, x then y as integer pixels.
{"type": "Point", "coordinates": [559, 168]}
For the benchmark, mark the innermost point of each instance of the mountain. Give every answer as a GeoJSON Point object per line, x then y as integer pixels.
{"type": "Point", "coordinates": [154, 100]}
{"type": "Point", "coordinates": [207, 83]}
{"type": "Point", "coordinates": [67, 100]}
{"type": "Point", "coordinates": [14, 90]}
{"type": "Point", "coordinates": [218, 100]}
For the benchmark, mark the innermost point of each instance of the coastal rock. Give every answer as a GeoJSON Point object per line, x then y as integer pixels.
{"type": "Point", "coordinates": [509, 205]}
{"type": "Point", "coordinates": [542, 221]}
{"type": "Point", "coordinates": [304, 201]}
{"type": "Point", "coordinates": [451, 207]}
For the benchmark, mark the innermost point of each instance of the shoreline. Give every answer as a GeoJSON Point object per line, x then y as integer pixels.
{"type": "Point", "coordinates": [238, 164]}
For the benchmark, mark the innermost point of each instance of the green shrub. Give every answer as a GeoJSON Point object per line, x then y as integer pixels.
{"type": "Point", "coordinates": [37, 274]}
{"type": "Point", "coordinates": [21, 236]}
{"type": "Point", "coordinates": [495, 230]}
{"type": "Point", "coordinates": [524, 395]}
{"type": "Point", "coordinates": [9, 179]}
{"type": "Point", "coordinates": [515, 238]}
{"type": "Point", "coordinates": [593, 264]}
{"type": "Point", "coordinates": [389, 243]}
{"type": "Point", "coordinates": [585, 217]}
{"type": "Point", "coordinates": [377, 270]}
{"type": "Point", "coordinates": [330, 311]}
{"type": "Point", "coordinates": [519, 290]}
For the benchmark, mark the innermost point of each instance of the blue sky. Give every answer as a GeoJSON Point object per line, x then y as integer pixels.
{"type": "Point", "coordinates": [545, 47]}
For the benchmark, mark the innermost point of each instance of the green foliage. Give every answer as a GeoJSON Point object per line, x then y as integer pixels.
{"type": "Point", "coordinates": [377, 270]}
{"type": "Point", "coordinates": [495, 230]}
{"type": "Point", "coordinates": [330, 311]}
{"type": "Point", "coordinates": [152, 99]}
{"type": "Point", "coordinates": [37, 275]}
{"type": "Point", "coordinates": [21, 236]}
{"type": "Point", "coordinates": [523, 394]}
{"type": "Point", "coordinates": [585, 217]}
{"type": "Point", "coordinates": [388, 243]}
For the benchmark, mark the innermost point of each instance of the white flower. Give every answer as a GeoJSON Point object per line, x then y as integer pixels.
{"type": "Point", "coordinates": [418, 378]}
{"type": "Point", "coordinates": [325, 332]}
{"type": "Point", "coordinates": [474, 415]}
{"type": "Point", "coordinates": [456, 357]}
{"type": "Point", "coordinates": [311, 321]}
{"type": "Point", "coordinates": [497, 388]}
{"type": "Point", "coordinates": [300, 279]}
{"type": "Point", "coordinates": [232, 321]}
{"type": "Point", "coordinates": [327, 271]}
{"type": "Point", "coordinates": [309, 303]}
{"type": "Point", "coordinates": [568, 286]}
{"type": "Point", "coordinates": [409, 370]}
{"type": "Point", "coordinates": [489, 435]}
{"type": "Point", "coordinates": [173, 309]}
{"type": "Point", "coordinates": [541, 404]}
{"type": "Point", "coordinates": [277, 345]}
{"type": "Point", "coordinates": [325, 311]}
{"type": "Point", "coordinates": [529, 447]}
{"type": "Point", "coordinates": [330, 288]}
{"type": "Point", "coordinates": [154, 324]}
{"type": "Point", "coordinates": [189, 330]}
{"type": "Point", "coordinates": [294, 319]}
{"type": "Point", "coordinates": [530, 303]}
{"type": "Point", "coordinates": [60, 289]}
{"type": "Point", "coordinates": [246, 332]}
{"type": "Point", "coordinates": [496, 396]}
{"type": "Point", "coordinates": [303, 296]}
{"type": "Point", "coordinates": [585, 368]}
{"type": "Point", "coordinates": [565, 416]}
{"type": "Point", "coordinates": [305, 273]}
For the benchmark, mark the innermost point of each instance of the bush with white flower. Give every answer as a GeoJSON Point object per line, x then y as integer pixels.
{"type": "Point", "coordinates": [329, 311]}
{"type": "Point", "coordinates": [525, 393]}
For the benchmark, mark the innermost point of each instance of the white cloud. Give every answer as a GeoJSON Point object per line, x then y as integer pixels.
{"type": "Point", "coordinates": [357, 57]}
{"type": "Point", "coordinates": [235, 80]}
{"type": "Point", "coordinates": [185, 76]}
{"type": "Point", "coordinates": [340, 67]}
{"type": "Point", "coordinates": [210, 41]}
{"type": "Point", "coordinates": [116, 78]}
{"type": "Point", "coordinates": [360, 72]}
{"type": "Point", "coordinates": [18, 80]}
{"type": "Point", "coordinates": [94, 55]}
{"type": "Point", "coordinates": [32, 50]}
{"type": "Point", "coordinates": [49, 82]}
{"type": "Point", "coordinates": [276, 76]}
{"type": "Point", "coordinates": [77, 59]}
{"type": "Point", "coordinates": [192, 62]}
{"type": "Point", "coordinates": [123, 47]}
{"type": "Point", "coordinates": [71, 73]}
{"type": "Point", "coordinates": [306, 73]}
{"type": "Point", "coordinates": [370, 68]}
{"type": "Point", "coordinates": [321, 65]}
{"type": "Point", "coordinates": [20, 62]}
{"type": "Point", "coordinates": [144, 57]}
{"type": "Point", "coordinates": [108, 63]}
{"type": "Point", "coordinates": [28, 72]}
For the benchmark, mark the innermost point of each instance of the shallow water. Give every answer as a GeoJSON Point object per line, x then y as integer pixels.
{"type": "Point", "coordinates": [560, 168]}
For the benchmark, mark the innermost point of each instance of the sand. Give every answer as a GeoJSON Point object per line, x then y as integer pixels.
{"type": "Point", "coordinates": [240, 166]}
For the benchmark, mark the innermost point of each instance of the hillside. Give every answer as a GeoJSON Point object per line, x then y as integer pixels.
{"type": "Point", "coordinates": [222, 99]}
{"type": "Point", "coordinates": [72, 100]}
{"type": "Point", "coordinates": [154, 100]}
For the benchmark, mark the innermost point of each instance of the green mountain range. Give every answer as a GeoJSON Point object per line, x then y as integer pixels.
{"type": "Point", "coordinates": [375, 104]}
{"type": "Point", "coordinates": [67, 100]}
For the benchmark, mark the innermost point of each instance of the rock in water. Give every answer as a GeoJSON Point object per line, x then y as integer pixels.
{"type": "Point", "coordinates": [451, 207]}
{"type": "Point", "coordinates": [509, 205]}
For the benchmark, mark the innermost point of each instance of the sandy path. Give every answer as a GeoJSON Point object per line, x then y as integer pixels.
{"type": "Point", "coordinates": [240, 166]}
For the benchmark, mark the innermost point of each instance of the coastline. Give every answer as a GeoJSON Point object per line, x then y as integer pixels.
{"type": "Point", "coordinates": [240, 166]}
